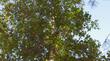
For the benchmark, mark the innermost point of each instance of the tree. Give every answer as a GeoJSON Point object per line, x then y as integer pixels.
{"type": "Point", "coordinates": [105, 57]}
{"type": "Point", "coordinates": [45, 30]}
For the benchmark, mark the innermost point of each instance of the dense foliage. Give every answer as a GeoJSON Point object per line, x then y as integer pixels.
{"type": "Point", "coordinates": [45, 30]}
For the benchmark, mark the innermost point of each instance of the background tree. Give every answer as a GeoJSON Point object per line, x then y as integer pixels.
{"type": "Point", "coordinates": [44, 30]}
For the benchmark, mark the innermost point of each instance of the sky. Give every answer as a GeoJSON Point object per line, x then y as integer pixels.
{"type": "Point", "coordinates": [100, 12]}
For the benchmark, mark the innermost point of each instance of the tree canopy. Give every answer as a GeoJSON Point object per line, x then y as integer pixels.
{"type": "Point", "coordinates": [45, 30]}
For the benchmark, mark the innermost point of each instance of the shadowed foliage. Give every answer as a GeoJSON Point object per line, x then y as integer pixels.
{"type": "Point", "coordinates": [45, 30]}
